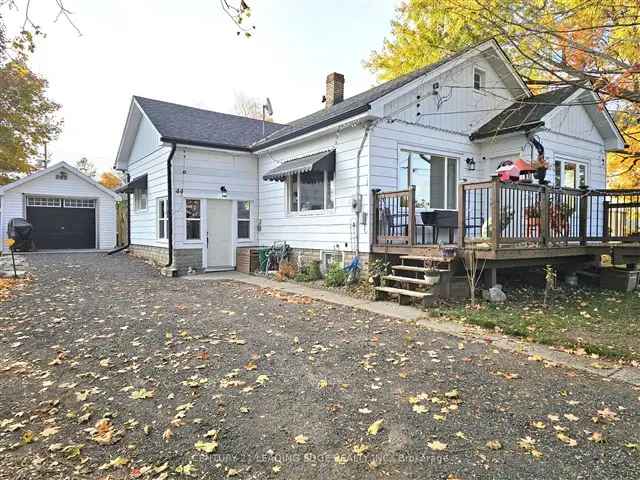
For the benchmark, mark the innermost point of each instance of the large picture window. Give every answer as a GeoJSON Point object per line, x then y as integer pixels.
{"type": "Point", "coordinates": [313, 190]}
{"type": "Point", "coordinates": [193, 219]}
{"type": "Point", "coordinates": [434, 176]}
{"type": "Point", "coordinates": [244, 220]}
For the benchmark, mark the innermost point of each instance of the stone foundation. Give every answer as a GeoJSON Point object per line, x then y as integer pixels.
{"type": "Point", "coordinates": [308, 255]}
{"type": "Point", "coordinates": [183, 259]}
{"type": "Point", "coordinates": [158, 255]}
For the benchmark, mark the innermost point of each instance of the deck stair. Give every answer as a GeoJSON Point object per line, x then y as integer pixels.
{"type": "Point", "coordinates": [408, 281]}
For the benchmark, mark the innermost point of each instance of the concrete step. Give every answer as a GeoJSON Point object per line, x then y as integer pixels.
{"type": "Point", "coordinates": [411, 268]}
{"type": "Point", "coordinates": [420, 258]}
{"type": "Point", "coordinates": [403, 292]}
{"type": "Point", "coordinates": [416, 281]}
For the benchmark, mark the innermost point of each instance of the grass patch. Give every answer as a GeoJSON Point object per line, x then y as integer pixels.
{"type": "Point", "coordinates": [590, 320]}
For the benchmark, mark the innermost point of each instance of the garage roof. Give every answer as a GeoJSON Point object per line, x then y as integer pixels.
{"type": "Point", "coordinates": [53, 168]}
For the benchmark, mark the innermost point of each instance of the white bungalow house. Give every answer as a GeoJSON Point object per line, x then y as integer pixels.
{"type": "Point", "coordinates": [205, 183]}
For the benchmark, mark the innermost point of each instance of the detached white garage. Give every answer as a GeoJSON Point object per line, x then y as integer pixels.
{"type": "Point", "coordinates": [67, 209]}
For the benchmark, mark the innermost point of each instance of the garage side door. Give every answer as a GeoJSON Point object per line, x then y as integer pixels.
{"type": "Point", "coordinates": [62, 223]}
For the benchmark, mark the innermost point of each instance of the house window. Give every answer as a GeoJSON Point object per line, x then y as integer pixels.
{"type": "Point", "coordinates": [162, 218]}
{"type": "Point", "coordinates": [434, 176]}
{"type": "Point", "coordinates": [62, 175]}
{"type": "Point", "coordinates": [570, 174]}
{"type": "Point", "coordinates": [244, 220]}
{"type": "Point", "coordinates": [140, 199]}
{"type": "Point", "coordinates": [193, 219]}
{"type": "Point", "coordinates": [479, 79]}
{"type": "Point", "coordinates": [312, 191]}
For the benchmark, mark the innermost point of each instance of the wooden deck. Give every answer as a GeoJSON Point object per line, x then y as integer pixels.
{"type": "Point", "coordinates": [538, 224]}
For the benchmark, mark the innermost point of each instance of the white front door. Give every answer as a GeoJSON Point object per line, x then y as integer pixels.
{"type": "Point", "coordinates": [219, 235]}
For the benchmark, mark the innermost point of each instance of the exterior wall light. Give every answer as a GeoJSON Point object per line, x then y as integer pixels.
{"type": "Point", "coordinates": [223, 191]}
{"type": "Point", "coordinates": [471, 164]}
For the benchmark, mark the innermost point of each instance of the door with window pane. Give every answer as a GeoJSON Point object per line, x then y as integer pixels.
{"type": "Point", "coordinates": [435, 178]}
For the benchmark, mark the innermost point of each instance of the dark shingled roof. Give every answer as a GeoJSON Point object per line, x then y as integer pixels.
{"type": "Point", "coordinates": [194, 126]}
{"type": "Point", "coordinates": [525, 114]}
{"type": "Point", "coordinates": [206, 128]}
{"type": "Point", "coordinates": [350, 106]}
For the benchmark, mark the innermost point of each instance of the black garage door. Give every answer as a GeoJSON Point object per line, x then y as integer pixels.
{"type": "Point", "coordinates": [66, 223]}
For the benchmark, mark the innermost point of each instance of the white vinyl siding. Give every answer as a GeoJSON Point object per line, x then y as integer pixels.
{"type": "Point", "coordinates": [147, 158]}
{"type": "Point", "coordinates": [328, 229]}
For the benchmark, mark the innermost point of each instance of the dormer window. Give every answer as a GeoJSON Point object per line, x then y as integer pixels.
{"type": "Point", "coordinates": [479, 79]}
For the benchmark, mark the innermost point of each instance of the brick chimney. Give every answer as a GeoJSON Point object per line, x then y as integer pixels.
{"type": "Point", "coordinates": [335, 89]}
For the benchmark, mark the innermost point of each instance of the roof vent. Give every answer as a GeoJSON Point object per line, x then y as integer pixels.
{"type": "Point", "coordinates": [335, 89]}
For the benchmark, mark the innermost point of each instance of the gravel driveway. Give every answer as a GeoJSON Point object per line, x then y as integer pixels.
{"type": "Point", "coordinates": [108, 370]}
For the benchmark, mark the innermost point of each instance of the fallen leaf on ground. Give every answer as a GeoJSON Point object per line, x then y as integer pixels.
{"type": "Point", "coordinates": [375, 427]}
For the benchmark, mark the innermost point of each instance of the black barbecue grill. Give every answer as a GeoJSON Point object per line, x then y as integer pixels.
{"type": "Point", "coordinates": [21, 231]}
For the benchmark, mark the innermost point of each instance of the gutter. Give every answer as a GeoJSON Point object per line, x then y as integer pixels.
{"type": "Point", "coordinates": [367, 128]}
{"type": "Point", "coordinates": [195, 143]}
{"type": "Point", "coordinates": [170, 204]}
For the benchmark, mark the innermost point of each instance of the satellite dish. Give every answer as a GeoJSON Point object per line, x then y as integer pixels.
{"type": "Point", "coordinates": [268, 107]}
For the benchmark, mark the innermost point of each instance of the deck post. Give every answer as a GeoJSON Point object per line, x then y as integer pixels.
{"type": "Point", "coordinates": [412, 215]}
{"type": "Point", "coordinates": [375, 217]}
{"type": "Point", "coordinates": [495, 212]}
{"type": "Point", "coordinates": [605, 221]}
{"type": "Point", "coordinates": [584, 213]}
{"type": "Point", "coordinates": [461, 216]}
{"type": "Point", "coordinates": [544, 216]}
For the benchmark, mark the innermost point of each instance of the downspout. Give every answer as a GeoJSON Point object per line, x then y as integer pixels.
{"type": "Point", "coordinates": [170, 204]}
{"type": "Point", "coordinates": [358, 199]}
{"type": "Point", "coordinates": [124, 247]}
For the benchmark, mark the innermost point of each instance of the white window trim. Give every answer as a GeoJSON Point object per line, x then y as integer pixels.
{"type": "Point", "coordinates": [446, 173]}
{"type": "Point", "coordinates": [186, 220]}
{"type": "Point", "coordinates": [248, 220]}
{"type": "Point", "coordinates": [164, 219]}
{"type": "Point", "coordinates": [563, 161]}
{"type": "Point", "coordinates": [483, 80]}
{"type": "Point", "coordinates": [321, 211]}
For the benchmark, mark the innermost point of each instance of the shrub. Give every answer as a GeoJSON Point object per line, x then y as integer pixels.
{"type": "Point", "coordinates": [309, 272]}
{"type": "Point", "coordinates": [379, 267]}
{"type": "Point", "coordinates": [336, 275]}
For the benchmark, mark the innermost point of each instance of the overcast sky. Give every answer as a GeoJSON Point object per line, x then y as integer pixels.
{"type": "Point", "coordinates": [188, 52]}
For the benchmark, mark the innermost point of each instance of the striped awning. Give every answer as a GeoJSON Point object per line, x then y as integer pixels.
{"type": "Point", "coordinates": [318, 162]}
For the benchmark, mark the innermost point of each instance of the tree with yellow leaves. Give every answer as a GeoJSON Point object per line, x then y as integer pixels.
{"type": "Point", "coordinates": [110, 180]}
{"type": "Point", "coordinates": [591, 43]}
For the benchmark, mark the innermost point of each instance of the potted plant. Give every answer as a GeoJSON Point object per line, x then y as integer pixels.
{"type": "Point", "coordinates": [431, 275]}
